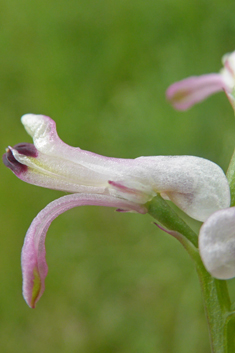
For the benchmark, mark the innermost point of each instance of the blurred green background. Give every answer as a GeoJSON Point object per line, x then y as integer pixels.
{"type": "Point", "coordinates": [100, 69]}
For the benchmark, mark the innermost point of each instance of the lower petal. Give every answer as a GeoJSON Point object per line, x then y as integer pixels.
{"type": "Point", "coordinates": [33, 259]}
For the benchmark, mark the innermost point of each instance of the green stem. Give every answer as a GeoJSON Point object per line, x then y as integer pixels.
{"type": "Point", "coordinates": [231, 332]}
{"type": "Point", "coordinates": [231, 316]}
{"type": "Point", "coordinates": [221, 321]}
{"type": "Point", "coordinates": [231, 178]}
{"type": "Point", "coordinates": [217, 305]}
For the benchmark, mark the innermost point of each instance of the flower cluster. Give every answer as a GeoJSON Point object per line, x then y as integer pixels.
{"type": "Point", "coordinates": [196, 185]}
{"type": "Point", "coordinates": [217, 234]}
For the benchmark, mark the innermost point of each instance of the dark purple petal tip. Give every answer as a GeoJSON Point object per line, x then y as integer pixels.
{"type": "Point", "coordinates": [24, 148]}
{"type": "Point", "coordinates": [10, 162]}
{"type": "Point", "coordinates": [27, 149]}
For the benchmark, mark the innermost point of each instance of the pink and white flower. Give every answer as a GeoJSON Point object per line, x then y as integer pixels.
{"type": "Point", "coordinates": [194, 89]}
{"type": "Point", "coordinates": [196, 185]}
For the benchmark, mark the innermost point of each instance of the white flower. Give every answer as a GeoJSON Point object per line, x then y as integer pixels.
{"type": "Point", "coordinates": [196, 185]}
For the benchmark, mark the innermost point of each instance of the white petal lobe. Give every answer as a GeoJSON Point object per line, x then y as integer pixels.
{"type": "Point", "coordinates": [217, 244]}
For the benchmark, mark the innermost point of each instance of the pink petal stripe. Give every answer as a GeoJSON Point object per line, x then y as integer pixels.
{"type": "Point", "coordinates": [185, 93]}
{"type": "Point", "coordinates": [33, 260]}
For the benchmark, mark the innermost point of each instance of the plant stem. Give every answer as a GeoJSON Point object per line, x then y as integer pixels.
{"type": "Point", "coordinates": [221, 321]}
{"type": "Point", "coordinates": [217, 305]}
{"type": "Point", "coordinates": [231, 178]}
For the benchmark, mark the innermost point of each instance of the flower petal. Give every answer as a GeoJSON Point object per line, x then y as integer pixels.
{"type": "Point", "coordinates": [46, 140]}
{"type": "Point", "coordinates": [192, 90]}
{"type": "Point", "coordinates": [228, 70]}
{"type": "Point", "coordinates": [196, 185]}
{"type": "Point", "coordinates": [217, 244]}
{"type": "Point", "coordinates": [60, 166]}
{"type": "Point", "coordinates": [55, 173]}
{"type": "Point", "coordinates": [33, 260]}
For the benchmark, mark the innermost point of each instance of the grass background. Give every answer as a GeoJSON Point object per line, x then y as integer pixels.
{"type": "Point", "coordinates": [100, 69]}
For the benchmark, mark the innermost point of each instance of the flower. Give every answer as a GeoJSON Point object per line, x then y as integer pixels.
{"type": "Point", "coordinates": [194, 89]}
{"type": "Point", "coordinates": [196, 185]}
{"type": "Point", "coordinates": [217, 243]}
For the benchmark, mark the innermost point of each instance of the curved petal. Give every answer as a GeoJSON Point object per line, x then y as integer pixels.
{"type": "Point", "coordinates": [217, 244]}
{"type": "Point", "coordinates": [43, 131]}
{"type": "Point", "coordinates": [192, 90]}
{"type": "Point", "coordinates": [33, 260]}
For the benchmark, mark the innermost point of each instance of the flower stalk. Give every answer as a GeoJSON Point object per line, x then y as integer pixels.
{"type": "Point", "coordinates": [161, 211]}
{"type": "Point", "coordinates": [217, 308]}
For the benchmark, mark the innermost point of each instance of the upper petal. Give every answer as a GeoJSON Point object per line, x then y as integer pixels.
{"type": "Point", "coordinates": [196, 185]}
{"type": "Point", "coordinates": [33, 259]}
{"type": "Point", "coordinates": [217, 243]}
{"type": "Point", "coordinates": [43, 131]}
